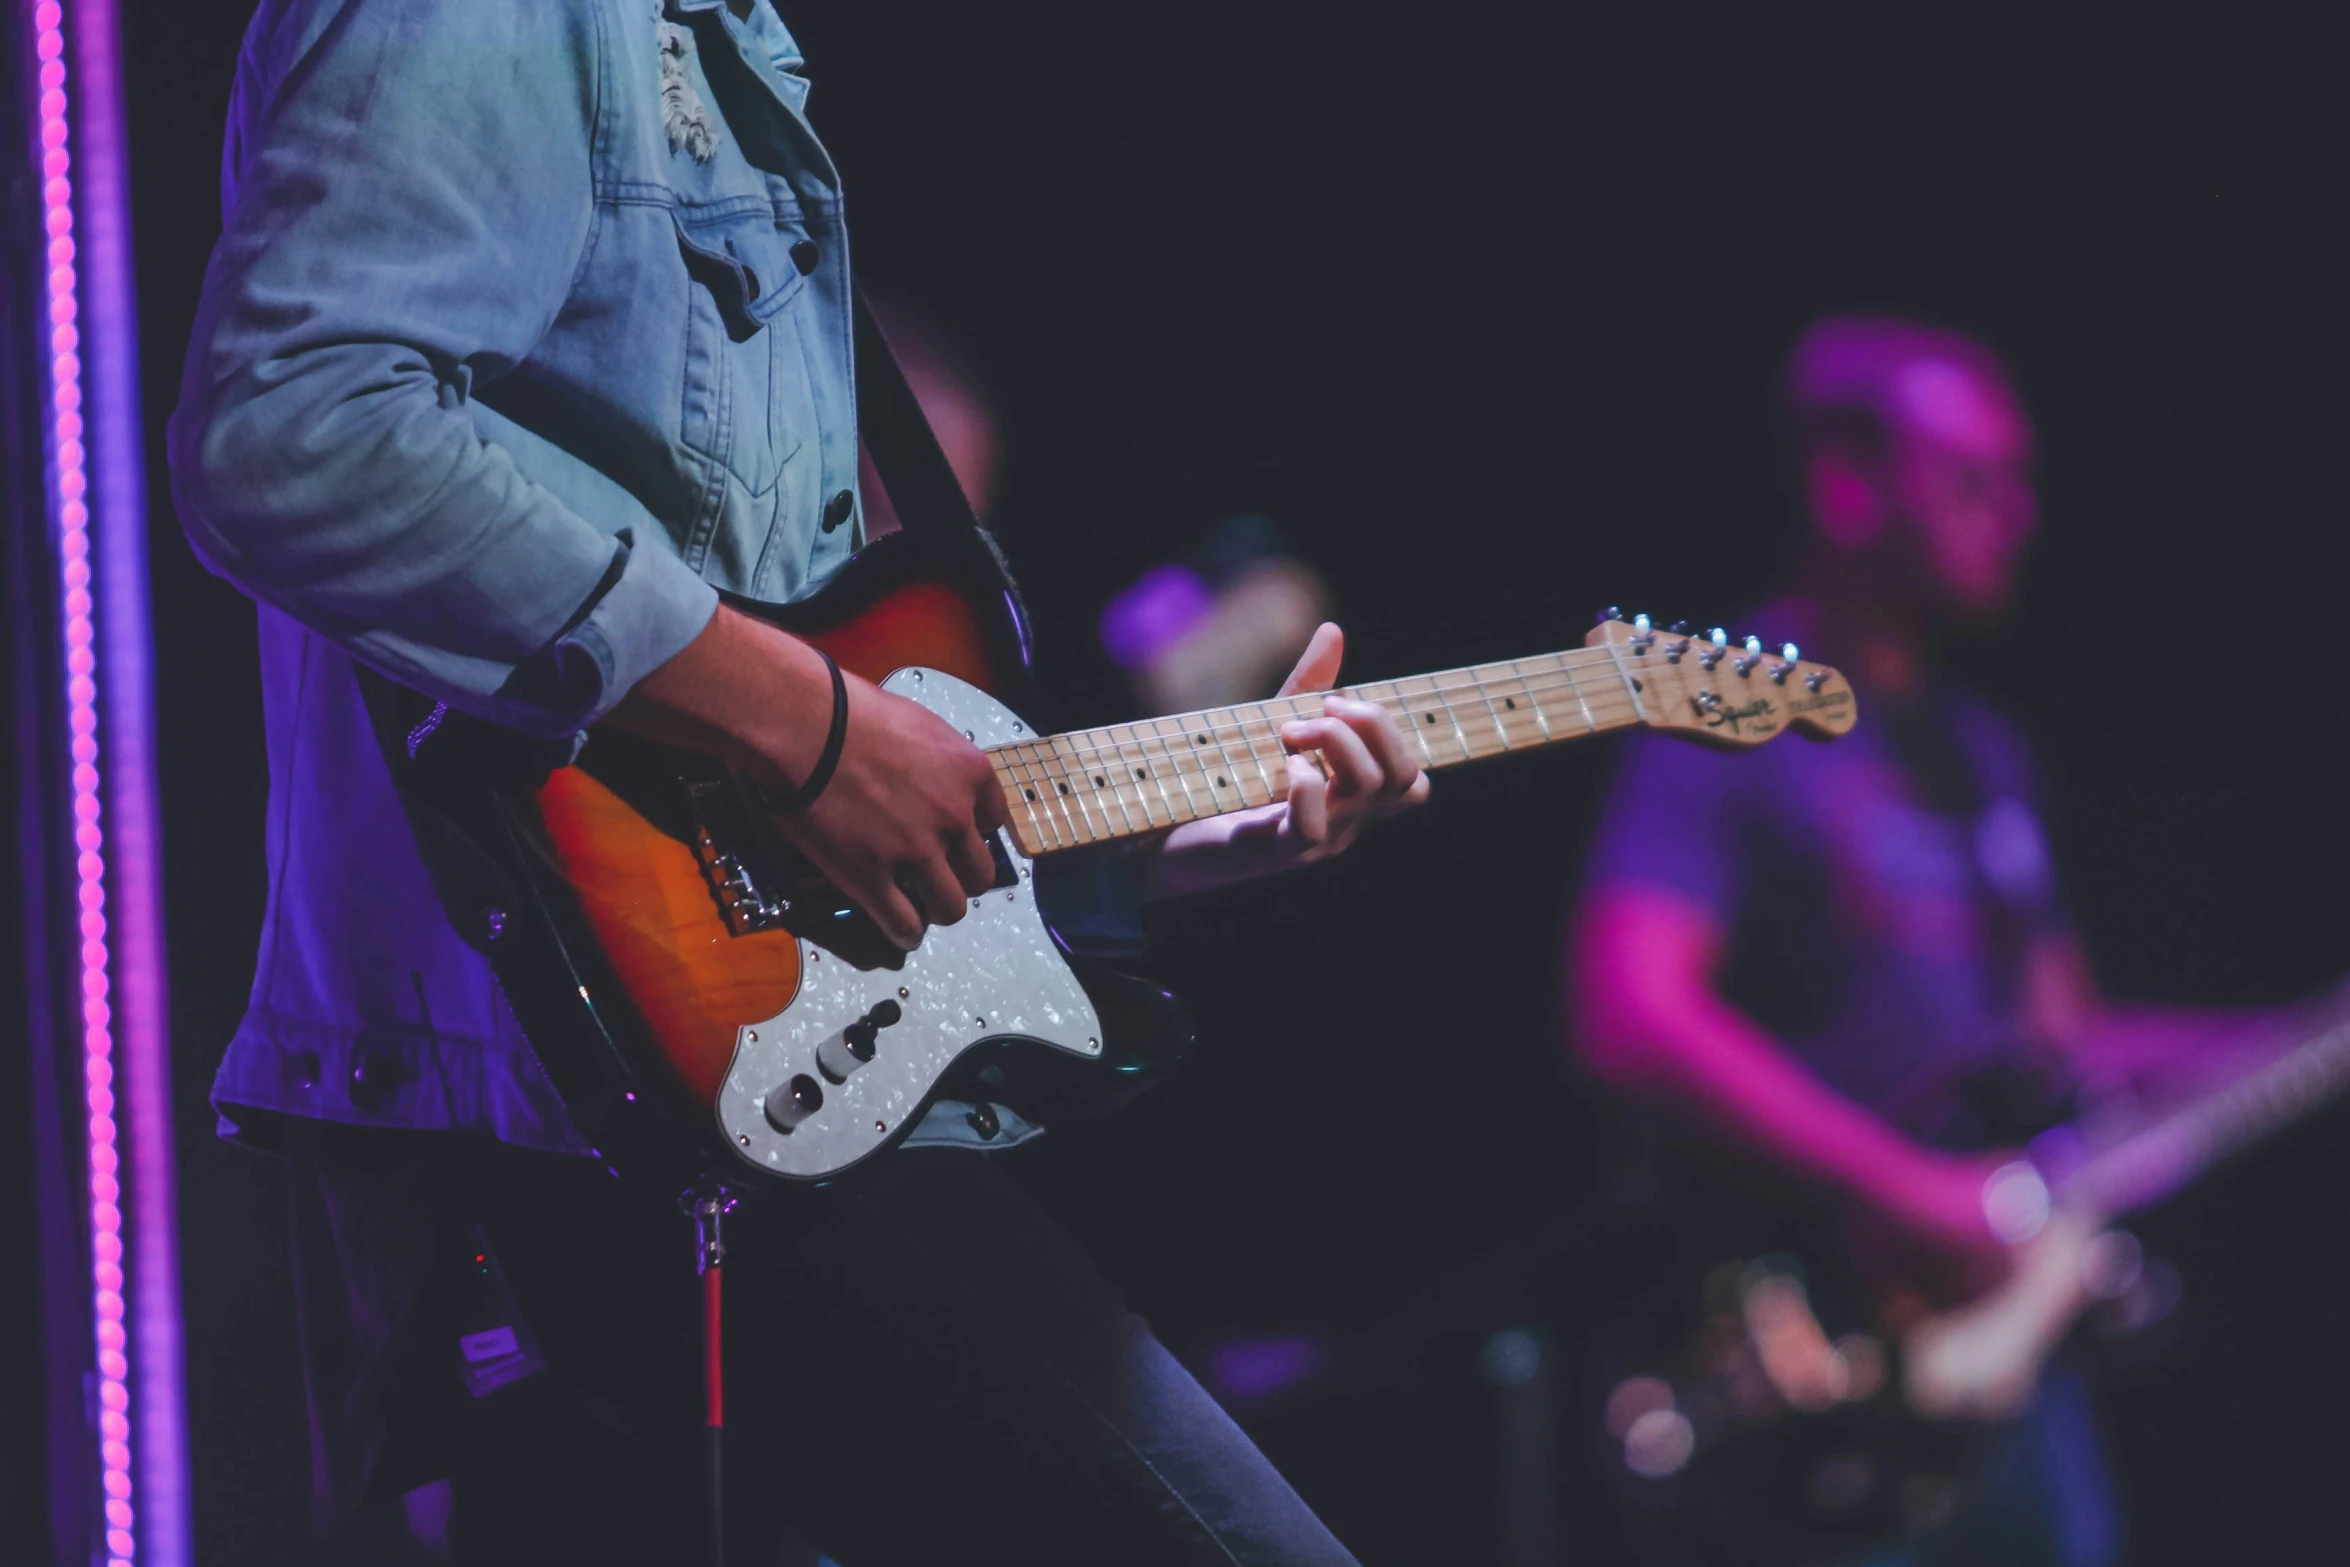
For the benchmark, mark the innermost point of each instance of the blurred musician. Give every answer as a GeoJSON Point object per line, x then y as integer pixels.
{"type": "Point", "coordinates": [1799, 954]}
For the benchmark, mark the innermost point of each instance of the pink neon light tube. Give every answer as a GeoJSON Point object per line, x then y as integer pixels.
{"type": "Point", "coordinates": [97, 507]}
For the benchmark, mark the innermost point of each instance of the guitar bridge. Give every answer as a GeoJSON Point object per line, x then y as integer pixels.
{"type": "Point", "coordinates": [743, 881]}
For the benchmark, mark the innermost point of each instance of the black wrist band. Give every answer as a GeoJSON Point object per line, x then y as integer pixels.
{"type": "Point", "coordinates": [784, 802]}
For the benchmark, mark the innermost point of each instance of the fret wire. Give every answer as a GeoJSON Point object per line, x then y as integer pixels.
{"type": "Point", "coordinates": [1625, 675]}
{"type": "Point", "coordinates": [1501, 731]}
{"type": "Point", "coordinates": [1116, 784]}
{"type": "Point", "coordinates": [1025, 765]}
{"type": "Point", "coordinates": [1207, 769]}
{"type": "Point", "coordinates": [1273, 730]}
{"type": "Point", "coordinates": [1591, 724]}
{"type": "Point", "coordinates": [1009, 779]}
{"type": "Point", "coordinates": [1419, 731]}
{"type": "Point", "coordinates": [1189, 804]}
{"type": "Point", "coordinates": [1040, 784]}
{"type": "Point", "coordinates": [1512, 712]}
{"type": "Point", "coordinates": [1231, 774]}
{"type": "Point", "coordinates": [1436, 684]}
{"type": "Point", "coordinates": [1008, 774]}
{"type": "Point", "coordinates": [1133, 757]}
{"type": "Point", "coordinates": [1109, 776]}
{"type": "Point", "coordinates": [1056, 791]}
{"type": "Point", "coordinates": [1063, 755]}
{"type": "Point", "coordinates": [1540, 718]}
{"type": "Point", "coordinates": [1155, 774]}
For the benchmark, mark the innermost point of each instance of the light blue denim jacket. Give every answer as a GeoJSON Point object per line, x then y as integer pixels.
{"type": "Point", "coordinates": [528, 329]}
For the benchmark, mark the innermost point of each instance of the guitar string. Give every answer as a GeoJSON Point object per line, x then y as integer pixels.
{"type": "Point", "coordinates": [1057, 821]}
{"type": "Point", "coordinates": [1266, 726]}
{"type": "Point", "coordinates": [1486, 681]}
{"type": "Point", "coordinates": [1105, 742]}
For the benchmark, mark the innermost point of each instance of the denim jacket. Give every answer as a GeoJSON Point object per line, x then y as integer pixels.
{"type": "Point", "coordinates": [528, 330]}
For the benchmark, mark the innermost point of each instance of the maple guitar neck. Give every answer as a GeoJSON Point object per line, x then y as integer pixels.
{"type": "Point", "coordinates": [1095, 786]}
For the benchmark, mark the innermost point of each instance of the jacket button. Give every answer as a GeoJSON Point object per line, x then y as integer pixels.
{"type": "Point", "coordinates": [374, 1076]}
{"type": "Point", "coordinates": [803, 256]}
{"type": "Point", "coordinates": [836, 510]}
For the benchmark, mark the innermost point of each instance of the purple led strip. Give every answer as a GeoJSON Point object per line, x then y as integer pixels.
{"type": "Point", "coordinates": [98, 511]}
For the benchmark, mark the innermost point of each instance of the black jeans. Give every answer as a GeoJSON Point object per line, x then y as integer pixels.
{"type": "Point", "coordinates": [921, 1369]}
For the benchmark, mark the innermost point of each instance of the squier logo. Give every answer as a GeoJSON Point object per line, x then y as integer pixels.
{"type": "Point", "coordinates": [1717, 716]}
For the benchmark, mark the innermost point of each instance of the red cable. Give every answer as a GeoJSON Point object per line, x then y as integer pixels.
{"type": "Point", "coordinates": [713, 1362]}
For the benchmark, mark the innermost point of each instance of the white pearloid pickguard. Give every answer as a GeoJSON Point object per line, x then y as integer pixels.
{"type": "Point", "coordinates": [995, 975]}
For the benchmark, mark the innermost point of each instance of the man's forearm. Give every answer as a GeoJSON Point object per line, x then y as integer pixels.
{"type": "Point", "coordinates": [1712, 1065]}
{"type": "Point", "coordinates": [742, 690]}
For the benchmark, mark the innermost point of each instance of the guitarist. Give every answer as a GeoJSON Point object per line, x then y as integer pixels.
{"type": "Point", "coordinates": [527, 332]}
{"type": "Point", "coordinates": [1797, 957]}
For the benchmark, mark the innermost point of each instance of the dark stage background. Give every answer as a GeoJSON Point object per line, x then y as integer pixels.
{"type": "Point", "coordinates": [1483, 305]}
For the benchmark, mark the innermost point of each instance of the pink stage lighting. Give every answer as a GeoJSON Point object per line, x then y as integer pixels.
{"type": "Point", "coordinates": [97, 511]}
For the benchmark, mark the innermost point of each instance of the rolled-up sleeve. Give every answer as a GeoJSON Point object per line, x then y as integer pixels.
{"type": "Point", "coordinates": [408, 204]}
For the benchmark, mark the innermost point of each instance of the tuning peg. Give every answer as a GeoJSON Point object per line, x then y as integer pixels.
{"type": "Point", "coordinates": [1745, 665]}
{"type": "Point", "coordinates": [1780, 673]}
{"type": "Point", "coordinates": [1639, 622]}
{"type": "Point", "coordinates": [1643, 638]}
{"type": "Point", "coordinates": [1679, 628]}
{"type": "Point", "coordinates": [1816, 679]}
{"type": "Point", "coordinates": [1713, 655]}
{"type": "Point", "coordinates": [1612, 612]}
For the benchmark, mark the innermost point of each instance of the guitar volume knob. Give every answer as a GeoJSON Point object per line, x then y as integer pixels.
{"type": "Point", "coordinates": [793, 1102]}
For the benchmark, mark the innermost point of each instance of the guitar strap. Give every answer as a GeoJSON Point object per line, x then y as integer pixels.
{"type": "Point", "coordinates": [921, 483]}
{"type": "Point", "coordinates": [905, 450]}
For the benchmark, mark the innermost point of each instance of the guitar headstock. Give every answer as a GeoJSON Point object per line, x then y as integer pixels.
{"type": "Point", "coordinates": [1724, 691]}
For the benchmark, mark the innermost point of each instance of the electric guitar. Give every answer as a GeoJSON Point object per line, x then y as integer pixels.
{"type": "Point", "coordinates": [1807, 1414]}
{"type": "Point", "coordinates": [704, 1002]}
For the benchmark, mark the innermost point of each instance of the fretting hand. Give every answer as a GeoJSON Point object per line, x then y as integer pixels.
{"type": "Point", "coordinates": [1366, 771]}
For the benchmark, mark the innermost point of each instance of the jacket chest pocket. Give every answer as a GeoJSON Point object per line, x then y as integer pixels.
{"type": "Point", "coordinates": [748, 405]}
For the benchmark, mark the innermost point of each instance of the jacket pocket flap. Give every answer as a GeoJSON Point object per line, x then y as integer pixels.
{"type": "Point", "coordinates": [746, 260]}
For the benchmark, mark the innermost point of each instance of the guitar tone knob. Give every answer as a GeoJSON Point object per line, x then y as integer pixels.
{"type": "Point", "coordinates": [846, 1051]}
{"type": "Point", "coordinates": [787, 1106]}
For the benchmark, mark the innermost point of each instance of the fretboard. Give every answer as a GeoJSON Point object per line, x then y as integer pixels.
{"type": "Point", "coordinates": [1097, 785]}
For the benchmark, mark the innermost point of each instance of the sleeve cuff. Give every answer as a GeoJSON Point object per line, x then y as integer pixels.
{"type": "Point", "coordinates": [647, 608]}
{"type": "Point", "coordinates": [656, 608]}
